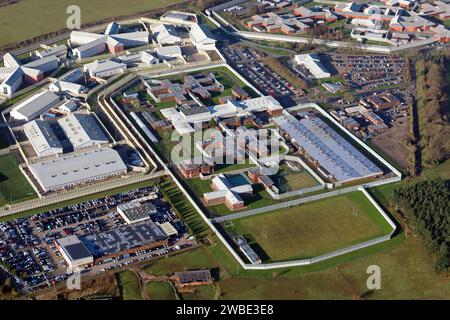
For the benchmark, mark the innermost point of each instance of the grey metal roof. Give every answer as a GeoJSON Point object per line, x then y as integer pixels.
{"type": "Point", "coordinates": [74, 248]}
{"type": "Point", "coordinates": [112, 28]}
{"type": "Point", "coordinates": [40, 62]}
{"type": "Point", "coordinates": [13, 77]}
{"type": "Point", "coordinates": [331, 150]}
{"type": "Point", "coordinates": [193, 110]}
{"type": "Point", "coordinates": [77, 168]}
{"type": "Point", "coordinates": [37, 104]}
{"type": "Point", "coordinates": [93, 129]}
{"type": "Point", "coordinates": [52, 133]}
{"type": "Point", "coordinates": [53, 51]}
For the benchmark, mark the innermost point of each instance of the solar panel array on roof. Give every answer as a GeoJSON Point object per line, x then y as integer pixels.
{"type": "Point", "coordinates": [331, 150]}
{"type": "Point", "coordinates": [124, 238]}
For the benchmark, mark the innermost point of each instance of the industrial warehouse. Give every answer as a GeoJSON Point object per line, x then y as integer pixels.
{"type": "Point", "coordinates": [34, 106]}
{"type": "Point", "coordinates": [317, 140]}
{"type": "Point", "coordinates": [66, 134]}
{"type": "Point", "coordinates": [75, 169]}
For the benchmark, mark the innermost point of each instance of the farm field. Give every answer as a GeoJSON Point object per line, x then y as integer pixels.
{"type": "Point", "coordinates": [14, 186]}
{"type": "Point", "coordinates": [29, 18]}
{"type": "Point", "coordinates": [313, 228]}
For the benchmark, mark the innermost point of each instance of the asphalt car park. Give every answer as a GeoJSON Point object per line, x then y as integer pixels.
{"type": "Point", "coordinates": [370, 71]}
{"type": "Point", "coordinates": [249, 64]}
{"type": "Point", "coordinates": [27, 245]}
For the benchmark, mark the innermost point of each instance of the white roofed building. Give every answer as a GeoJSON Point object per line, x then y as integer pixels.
{"type": "Point", "coordinates": [46, 137]}
{"type": "Point", "coordinates": [313, 64]}
{"type": "Point", "coordinates": [169, 53]}
{"type": "Point", "coordinates": [83, 130]}
{"type": "Point", "coordinates": [225, 191]}
{"type": "Point", "coordinates": [202, 38]}
{"type": "Point", "coordinates": [91, 44]}
{"type": "Point", "coordinates": [58, 51]}
{"type": "Point", "coordinates": [34, 106]}
{"type": "Point", "coordinates": [14, 74]}
{"type": "Point", "coordinates": [165, 34]}
{"type": "Point", "coordinates": [68, 171]}
{"type": "Point", "coordinates": [104, 68]}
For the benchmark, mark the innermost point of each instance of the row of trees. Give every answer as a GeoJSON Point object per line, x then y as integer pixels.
{"type": "Point", "coordinates": [278, 67]}
{"type": "Point", "coordinates": [434, 109]}
{"type": "Point", "coordinates": [426, 206]}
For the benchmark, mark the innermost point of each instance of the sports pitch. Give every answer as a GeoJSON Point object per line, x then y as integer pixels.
{"type": "Point", "coordinates": [312, 229]}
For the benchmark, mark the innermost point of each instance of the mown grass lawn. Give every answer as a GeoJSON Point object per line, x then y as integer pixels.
{"type": "Point", "coordinates": [313, 228]}
{"type": "Point", "coordinates": [14, 187]}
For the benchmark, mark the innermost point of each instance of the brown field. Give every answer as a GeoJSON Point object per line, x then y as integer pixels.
{"type": "Point", "coordinates": [391, 142]}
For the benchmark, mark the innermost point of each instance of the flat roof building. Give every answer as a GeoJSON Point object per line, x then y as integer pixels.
{"type": "Point", "coordinates": [83, 130]}
{"type": "Point", "coordinates": [68, 171]}
{"type": "Point", "coordinates": [124, 240]}
{"type": "Point", "coordinates": [46, 137]}
{"type": "Point", "coordinates": [74, 252]}
{"type": "Point", "coordinates": [136, 211]}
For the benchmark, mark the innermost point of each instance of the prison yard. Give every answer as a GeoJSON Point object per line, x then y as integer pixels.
{"type": "Point", "coordinates": [311, 229]}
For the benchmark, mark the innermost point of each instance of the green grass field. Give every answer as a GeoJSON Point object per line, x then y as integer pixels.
{"type": "Point", "coordinates": [129, 285]}
{"type": "Point", "coordinates": [199, 258]}
{"type": "Point", "coordinates": [289, 180]}
{"type": "Point", "coordinates": [29, 18]}
{"type": "Point", "coordinates": [314, 228]}
{"type": "Point", "coordinates": [14, 187]}
{"type": "Point", "coordinates": [160, 290]}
